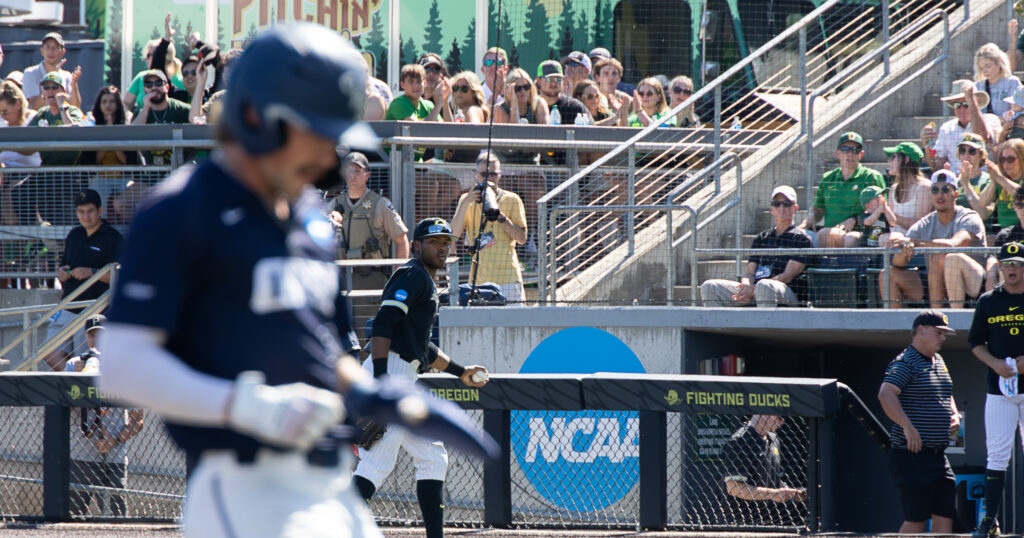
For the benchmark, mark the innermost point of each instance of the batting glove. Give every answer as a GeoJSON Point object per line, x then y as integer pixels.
{"type": "Point", "coordinates": [287, 416]}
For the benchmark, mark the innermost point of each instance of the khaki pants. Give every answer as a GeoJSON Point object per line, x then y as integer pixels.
{"type": "Point", "coordinates": [767, 293]}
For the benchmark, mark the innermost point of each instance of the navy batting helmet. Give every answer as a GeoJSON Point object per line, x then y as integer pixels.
{"type": "Point", "coordinates": [301, 74]}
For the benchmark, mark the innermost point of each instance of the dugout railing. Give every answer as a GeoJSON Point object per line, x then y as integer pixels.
{"type": "Point", "coordinates": [655, 436]}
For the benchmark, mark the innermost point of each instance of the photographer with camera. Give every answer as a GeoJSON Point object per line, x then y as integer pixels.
{"type": "Point", "coordinates": [495, 222]}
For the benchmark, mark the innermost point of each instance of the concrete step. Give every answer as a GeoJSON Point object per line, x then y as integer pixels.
{"type": "Point", "coordinates": [709, 269]}
{"type": "Point", "coordinates": [908, 128]}
{"type": "Point", "coordinates": [681, 296]}
{"type": "Point", "coordinates": [746, 240]}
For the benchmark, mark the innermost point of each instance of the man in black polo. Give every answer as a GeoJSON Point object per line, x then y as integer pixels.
{"type": "Point", "coordinates": [917, 394]}
{"type": "Point", "coordinates": [87, 248]}
{"type": "Point", "coordinates": [754, 477]}
{"type": "Point", "coordinates": [768, 280]}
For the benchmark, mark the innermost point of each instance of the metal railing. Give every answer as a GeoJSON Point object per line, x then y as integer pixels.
{"type": "Point", "coordinates": [32, 358]}
{"type": "Point", "coordinates": [858, 66]}
{"type": "Point", "coordinates": [810, 57]}
{"type": "Point", "coordinates": [884, 269]}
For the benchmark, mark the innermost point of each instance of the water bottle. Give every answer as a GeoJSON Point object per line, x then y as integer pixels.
{"type": "Point", "coordinates": [736, 125]}
{"type": "Point", "coordinates": [581, 119]}
{"type": "Point", "coordinates": [87, 121]}
{"type": "Point", "coordinates": [556, 116]}
{"type": "Point", "coordinates": [460, 117]}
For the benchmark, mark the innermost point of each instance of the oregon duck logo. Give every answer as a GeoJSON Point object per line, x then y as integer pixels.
{"type": "Point", "coordinates": [672, 398]}
{"type": "Point", "coordinates": [75, 392]}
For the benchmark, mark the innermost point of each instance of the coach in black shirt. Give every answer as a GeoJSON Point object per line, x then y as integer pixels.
{"type": "Point", "coordinates": [88, 247]}
{"type": "Point", "coordinates": [754, 479]}
{"type": "Point", "coordinates": [768, 280]}
{"type": "Point", "coordinates": [917, 394]}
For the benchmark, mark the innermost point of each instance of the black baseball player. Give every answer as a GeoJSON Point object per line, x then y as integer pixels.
{"type": "Point", "coordinates": [997, 341]}
{"type": "Point", "coordinates": [228, 320]}
{"type": "Point", "coordinates": [400, 346]}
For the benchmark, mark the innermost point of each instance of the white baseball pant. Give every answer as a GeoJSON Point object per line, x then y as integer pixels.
{"type": "Point", "coordinates": [278, 495]}
{"type": "Point", "coordinates": [1003, 417]}
{"type": "Point", "coordinates": [430, 459]}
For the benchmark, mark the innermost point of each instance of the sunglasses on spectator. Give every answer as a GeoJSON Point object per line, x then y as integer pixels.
{"type": "Point", "coordinates": [51, 87]}
{"type": "Point", "coordinates": [684, 91]}
{"type": "Point", "coordinates": [463, 89]}
{"type": "Point", "coordinates": [944, 189]}
{"type": "Point", "coordinates": [432, 69]}
{"type": "Point", "coordinates": [1007, 159]}
{"type": "Point", "coordinates": [1011, 264]}
{"type": "Point", "coordinates": [553, 79]}
{"type": "Point", "coordinates": [153, 83]}
{"type": "Point", "coordinates": [488, 175]}
{"type": "Point", "coordinates": [962, 150]}
{"type": "Point", "coordinates": [962, 104]}
{"type": "Point", "coordinates": [850, 149]}
{"type": "Point", "coordinates": [522, 87]}
{"type": "Point", "coordinates": [574, 64]}
{"type": "Point", "coordinates": [647, 94]}
{"type": "Point", "coordinates": [782, 203]}
{"type": "Point", "coordinates": [492, 62]}
{"type": "Point", "coordinates": [591, 96]}
{"type": "Point", "coordinates": [189, 72]}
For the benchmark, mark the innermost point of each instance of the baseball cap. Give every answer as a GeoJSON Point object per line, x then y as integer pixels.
{"type": "Point", "coordinates": [88, 196]}
{"type": "Point", "coordinates": [56, 77]}
{"type": "Point", "coordinates": [786, 191]}
{"type": "Point", "coordinates": [358, 158]}
{"type": "Point", "coordinates": [95, 322]}
{"type": "Point", "coordinates": [549, 67]}
{"type": "Point", "coordinates": [943, 176]}
{"type": "Point", "coordinates": [909, 149]}
{"type": "Point", "coordinates": [432, 227]}
{"type": "Point", "coordinates": [933, 318]}
{"type": "Point", "coordinates": [54, 36]}
{"type": "Point", "coordinates": [851, 137]}
{"type": "Point", "coordinates": [578, 57]}
{"type": "Point", "coordinates": [600, 52]}
{"type": "Point", "coordinates": [1011, 252]}
{"type": "Point", "coordinates": [972, 140]}
{"type": "Point", "coordinates": [16, 77]}
{"type": "Point", "coordinates": [870, 193]}
{"type": "Point", "coordinates": [153, 73]}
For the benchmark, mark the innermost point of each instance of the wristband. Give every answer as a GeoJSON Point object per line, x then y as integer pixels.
{"type": "Point", "coordinates": [380, 366]}
{"type": "Point", "coordinates": [454, 368]}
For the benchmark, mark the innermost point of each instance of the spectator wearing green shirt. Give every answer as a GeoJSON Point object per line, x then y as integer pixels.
{"type": "Point", "coordinates": [158, 108]}
{"type": "Point", "coordinates": [838, 196]}
{"type": "Point", "coordinates": [410, 106]}
{"type": "Point", "coordinates": [56, 111]}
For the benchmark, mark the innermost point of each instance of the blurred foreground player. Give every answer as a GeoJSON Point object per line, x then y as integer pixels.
{"type": "Point", "coordinates": [228, 318]}
{"type": "Point", "coordinates": [400, 347]}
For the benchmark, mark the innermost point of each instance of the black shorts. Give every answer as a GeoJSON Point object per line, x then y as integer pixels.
{"type": "Point", "coordinates": [925, 481]}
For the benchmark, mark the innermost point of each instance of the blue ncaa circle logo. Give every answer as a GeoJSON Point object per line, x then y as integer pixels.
{"type": "Point", "coordinates": [401, 295]}
{"type": "Point", "coordinates": [579, 460]}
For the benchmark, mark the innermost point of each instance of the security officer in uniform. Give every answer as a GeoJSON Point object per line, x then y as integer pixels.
{"type": "Point", "coordinates": [401, 348]}
{"type": "Point", "coordinates": [368, 224]}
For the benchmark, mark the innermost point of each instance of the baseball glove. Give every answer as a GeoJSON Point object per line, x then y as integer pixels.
{"type": "Point", "coordinates": [370, 432]}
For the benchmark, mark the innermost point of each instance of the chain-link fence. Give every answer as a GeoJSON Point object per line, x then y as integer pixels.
{"type": "Point", "coordinates": [122, 465]}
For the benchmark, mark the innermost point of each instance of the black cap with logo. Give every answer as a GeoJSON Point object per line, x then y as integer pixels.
{"type": "Point", "coordinates": [1011, 252]}
{"type": "Point", "coordinates": [432, 227]}
{"type": "Point", "coordinates": [933, 318]}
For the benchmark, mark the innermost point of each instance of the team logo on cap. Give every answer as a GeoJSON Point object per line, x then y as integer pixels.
{"type": "Point", "coordinates": [1012, 248]}
{"type": "Point", "coordinates": [945, 320]}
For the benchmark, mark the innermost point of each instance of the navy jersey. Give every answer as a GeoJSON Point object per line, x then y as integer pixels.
{"type": "Point", "coordinates": [407, 309]}
{"type": "Point", "coordinates": [234, 287]}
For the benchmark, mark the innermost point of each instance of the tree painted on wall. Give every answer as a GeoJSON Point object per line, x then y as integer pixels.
{"type": "Point", "coordinates": [375, 41]}
{"type": "Point", "coordinates": [469, 46]}
{"type": "Point", "coordinates": [408, 51]}
{"type": "Point", "coordinates": [608, 23]}
{"type": "Point", "coordinates": [113, 45]}
{"type": "Point", "coordinates": [222, 41]}
{"type": "Point", "coordinates": [599, 26]}
{"type": "Point", "coordinates": [538, 32]}
{"type": "Point", "coordinates": [454, 58]}
{"type": "Point", "coordinates": [157, 34]}
{"type": "Point", "coordinates": [581, 37]}
{"type": "Point", "coordinates": [432, 36]}
{"type": "Point", "coordinates": [138, 59]}
{"type": "Point", "coordinates": [95, 17]}
{"type": "Point", "coordinates": [252, 34]}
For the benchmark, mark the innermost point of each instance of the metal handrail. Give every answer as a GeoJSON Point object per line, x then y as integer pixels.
{"type": "Point", "coordinates": [857, 66]}
{"type": "Point", "coordinates": [64, 303]}
{"type": "Point", "coordinates": [100, 145]}
{"type": "Point", "coordinates": [714, 87]}
{"type": "Point", "coordinates": [591, 145]}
